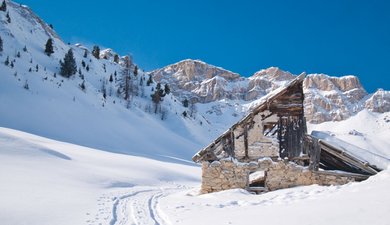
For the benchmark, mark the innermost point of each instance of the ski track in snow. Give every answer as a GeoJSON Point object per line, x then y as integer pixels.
{"type": "Point", "coordinates": [135, 206]}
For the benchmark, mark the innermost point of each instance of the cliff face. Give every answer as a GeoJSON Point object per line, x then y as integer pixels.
{"type": "Point", "coordinates": [326, 98]}
{"type": "Point", "coordinates": [332, 98]}
{"type": "Point", "coordinates": [379, 101]}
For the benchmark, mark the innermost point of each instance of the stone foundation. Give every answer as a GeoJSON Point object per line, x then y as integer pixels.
{"type": "Point", "coordinates": [287, 174]}
{"type": "Point", "coordinates": [223, 175]}
{"type": "Point", "coordinates": [228, 174]}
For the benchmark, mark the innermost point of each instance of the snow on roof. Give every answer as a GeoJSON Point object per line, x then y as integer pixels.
{"type": "Point", "coordinates": [379, 161]}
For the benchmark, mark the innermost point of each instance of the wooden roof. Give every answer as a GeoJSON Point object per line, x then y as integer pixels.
{"type": "Point", "coordinates": [263, 105]}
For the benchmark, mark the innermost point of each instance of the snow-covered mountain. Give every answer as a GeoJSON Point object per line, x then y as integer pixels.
{"type": "Point", "coordinates": [327, 98]}
{"type": "Point", "coordinates": [86, 108]}
{"type": "Point", "coordinates": [69, 180]}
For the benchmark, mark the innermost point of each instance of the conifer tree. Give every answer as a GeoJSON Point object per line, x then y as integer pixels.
{"type": "Point", "coordinates": [150, 80]}
{"type": "Point", "coordinates": [1, 44]}
{"type": "Point", "coordinates": [3, 6]}
{"type": "Point", "coordinates": [85, 53]}
{"type": "Point", "coordinates": [185, 103]}
{"type": "Point", "coordinates": [157, 97]}
{"type": "Point", "coordinates": [26, 85]}
{"type": "Point", "coordinates": [96, 52]}
{"type": "Point", "coordinates": [125, 85]}
{"type": "Point", "coordinates": [7, 61]}
{"type": "Point", "coordinates": [116, 58]}
{"type": "Point", "coordinates": [82, 86]}
{"type": "Point", "coordinates": [135, 70]}
{"type": "Point", "coordinates": [49, 47]}
{"type": "Point", "coordinates": [167, 90]}
{"type": "Point", "coordinates": [8, 17]}
{"type": "Point", "coordinates": [68, 65]}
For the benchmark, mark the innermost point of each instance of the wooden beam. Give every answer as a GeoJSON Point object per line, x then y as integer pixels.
{"type": "Point", "coordinates": [364, 166]}
{"type": "Point", "coordinates": [356, 176]}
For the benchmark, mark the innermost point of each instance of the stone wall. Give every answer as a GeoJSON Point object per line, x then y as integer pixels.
{"type": "Point", "coordinates": [229, 173]}
{"type": "Point", "coordinates": [283, 174]}
{"type": "Point", "coordinates": [224, 174]}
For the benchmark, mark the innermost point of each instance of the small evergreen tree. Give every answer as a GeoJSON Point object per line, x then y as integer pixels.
{"type": "Point", "coordinates": [8, 17]}
{"type": "Point", "coordinates": [135, 70]}
{"type": "Point", "coordinates": [150, 80]}
{"type": "Point", "coordinates": [193, 109]}
{"type": "Point", "coordinates": [1, 44]}
{"type": "Point", "coordinates": [104, 89]}
{"type": "Point", "coordinates": [116, 58]}
{"type": "Point", "coordinates": [18, 54]}
{"type": "Point", "coordinates": [125, 81]}
{"type": "Point", "coordinates": [49, 47]}
{"type": "Point", "coordinates": [25, 48]}
{"type": "Point", "coordinates": [167, 90]}
{"type": "Point", "coordinates": [68, 65]}
{"type": "Point", "coordinates": [82, 86]}
{"type": "Point", "coordinates": [11, 64]}
{"type": "Point", "coordinates": [6, 62]}
{"type": "Point", "coordinates": [3, 6]}
{"type": "Point", "coordinates": [26, 85]}
{"type": "Point", "coordinates": [85, 53]}
{"type": "Point", "coordinates": [157, 97]}
{"type": "Point", "coordinates": [96, 52]}
{"type": "Point", "coordinates": [185, 103]}
{"type": "Point", "coordinates": [111, 79]}
{"type": "Point", "coordinates": [87, 68]}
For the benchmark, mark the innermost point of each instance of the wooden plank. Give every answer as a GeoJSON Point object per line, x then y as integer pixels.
{"type": "Point", "coordinates": [246, 141]}
{"type": "Point", "coordinates": [346, 157]}
{"type": "Point", "coordinates": [356, 176]}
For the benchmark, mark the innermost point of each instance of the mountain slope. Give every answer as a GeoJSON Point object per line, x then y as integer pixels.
{"type": "Point", "coordinates": [51, 182]}
{"type": "Point", "coordinates": [36, 99]}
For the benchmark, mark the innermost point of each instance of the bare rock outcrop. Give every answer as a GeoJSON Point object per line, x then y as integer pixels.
{"type": "Point", "coordinates": [197, 80]}
{"type": "Point", "coordinates": [379, 101]}
{"type": "Point", "coordinates": [332, 98]}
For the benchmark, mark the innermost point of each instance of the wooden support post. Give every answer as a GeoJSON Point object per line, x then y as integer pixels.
{"type": "Point", "coordinates": [246, 140]}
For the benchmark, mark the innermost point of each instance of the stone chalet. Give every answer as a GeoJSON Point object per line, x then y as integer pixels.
{"type": "Point", "coordinates": [270, 149]}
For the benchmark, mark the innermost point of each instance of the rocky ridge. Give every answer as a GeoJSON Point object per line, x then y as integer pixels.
{"type": "Point", "coordinates": [327, 98]}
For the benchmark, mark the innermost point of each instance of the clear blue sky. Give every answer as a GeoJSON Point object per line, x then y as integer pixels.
{"type": "Point", "coordinates": [335, 37]}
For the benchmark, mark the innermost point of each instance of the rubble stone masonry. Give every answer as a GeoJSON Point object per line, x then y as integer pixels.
{"type": "Point", "coordinates": [228, 173]}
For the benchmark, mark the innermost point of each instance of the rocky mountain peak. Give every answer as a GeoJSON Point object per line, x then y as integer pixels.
{"type": "Point", "coordinates": [196, 80]}
{"type": "Point", "coordinates": [190, 70]}
{"type": "Point", "coordinates": [379, 101]}
{"type": "Point", "coordinates": [273, 74]}
{"type": "Point", "coordinates": [324, 82]}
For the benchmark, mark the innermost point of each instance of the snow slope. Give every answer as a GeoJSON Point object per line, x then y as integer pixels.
{"type": "Point", "coordinates": [51, 182]}
{"type": "Point", "coordinates": [355, 203]}
{"type": "Point", "coordinates": [366, 130]}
